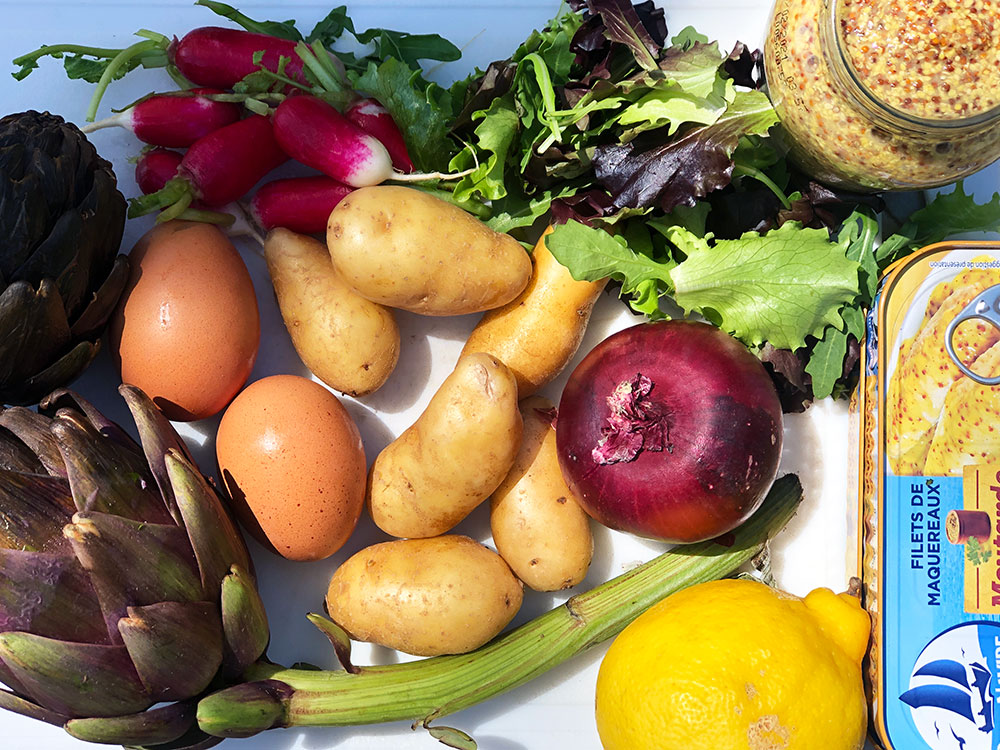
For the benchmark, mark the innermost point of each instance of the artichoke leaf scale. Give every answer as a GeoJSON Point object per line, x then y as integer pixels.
{"type": "Point", "coordinates": [33, 328]}
{"type": "Point", "coordinates": [48, 595]}
{"type": "Point", "coordinates": [176, 647]}
{"type": "Point", "coordinates": [32, 429]}
{"type": "Point", "coordinates": [33, 512]}
{"type": "Point", "coordinates": [75, 679]}
{"type": "Point", "coordinates": [105, 475]}
{"type": "Point", "coordinates": [16, 456]}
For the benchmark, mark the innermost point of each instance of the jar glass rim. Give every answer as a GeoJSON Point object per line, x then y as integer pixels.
{"type": "Point", "coordinates": [900, 116]}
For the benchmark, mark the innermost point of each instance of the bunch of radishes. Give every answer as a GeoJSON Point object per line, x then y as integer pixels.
{"type": "Point", "coordinates": [228, 153]}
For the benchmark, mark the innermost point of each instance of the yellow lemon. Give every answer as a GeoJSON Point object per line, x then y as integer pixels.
{"type": "Point", "coordinates": [736, 665]}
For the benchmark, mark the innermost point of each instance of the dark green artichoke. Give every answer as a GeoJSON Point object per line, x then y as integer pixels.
{"type": "Point", "coordinates": [61, 223]}
{"type": "Point", "coordinates": [123, 580]}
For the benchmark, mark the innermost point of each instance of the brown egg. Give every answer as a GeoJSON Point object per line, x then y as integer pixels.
{"type": "Point", "coordinates": [187, 329]}
{"type": "Point", "coordinates": [291, 458]}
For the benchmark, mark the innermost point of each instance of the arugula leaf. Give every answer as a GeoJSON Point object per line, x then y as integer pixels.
{"type": "Point", "coordinates": [280, 29]}
{"type": "Point", "coordinates": [516, 211]}
{"type": "Point", "coordinates": [409, 48]}
{"type": "Point", "coordinates": [421, 110]}
{"type": "Point", "coordinates": [329, 29]}
{"type": "Point", "coordinates": [952, 213]}
{"type": "Point", "coordinates": [778, 287]}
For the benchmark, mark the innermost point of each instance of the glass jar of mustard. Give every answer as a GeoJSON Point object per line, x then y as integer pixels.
{"type": "Point", "coordinates": [886, 94]}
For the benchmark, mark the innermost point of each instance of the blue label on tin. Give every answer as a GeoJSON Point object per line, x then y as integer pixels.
{"type": "Point", "coordinates": [941, 679]}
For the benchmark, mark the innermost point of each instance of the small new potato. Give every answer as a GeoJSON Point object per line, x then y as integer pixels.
{"type": "Point", "coordinates": [426, 597]}
{"type": "Point", "coordinates": [538, 526]}
{"type": "Point", "coordinates": [291, 459]}
{"type": "Point", "coordinates": [455, 454]}
{"type": "Point", "coordinates": [404, 248]}
{"type": "Point", "coordinates": [537, 334]}
{"type": "Point", "coordinates": [347, 341]}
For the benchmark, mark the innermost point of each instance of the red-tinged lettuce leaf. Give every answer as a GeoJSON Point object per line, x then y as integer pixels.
{"type": "Point", "coordinates": [746, 68]}
{"type": "Point", "coordinates": [641, 28]}
{"type": "Point", "coordinates": [780, 287]}
{"type": "Point", "coordinates": [680, 171]}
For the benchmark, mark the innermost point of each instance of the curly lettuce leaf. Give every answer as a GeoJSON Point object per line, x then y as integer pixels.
{"type": "Point", "coordinates": [778, 287]}
{"type": "Point", "coordinates": [592, 254]}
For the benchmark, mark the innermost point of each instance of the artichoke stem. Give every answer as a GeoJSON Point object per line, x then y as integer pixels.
{"type": "Point", "coordinates": [425, 690]}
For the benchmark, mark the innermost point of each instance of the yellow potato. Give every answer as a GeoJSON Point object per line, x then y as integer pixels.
{"type": "Point", "coordinates": [404, 248]}
{"type": "Point", "coordinates": [455, 454]}
{"type": "Point", "coordinates": [538, 526]}
{"type": "Point", "coordinates": [347, 341]}
{"type": "Point", "coordinates": [537, 334]}
{"type": "Point", "coordinates": [445, 595]}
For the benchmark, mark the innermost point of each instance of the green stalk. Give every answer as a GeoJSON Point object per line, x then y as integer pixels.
{"type": "Point", "coordinates": [425, 690]}
{"type": "Point", "coordinates": [120, 60]}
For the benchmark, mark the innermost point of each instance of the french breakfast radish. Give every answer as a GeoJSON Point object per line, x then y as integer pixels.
{"type": "Point", "coordinates": [207, 56]}
{"type": "Point", "coordinates": [217, 169]}
{"type": "Point", "coordinates": [301, 204]}
{"type": "Point", "coordinates": [372, 117]}
{"type": "Point", "coordinates": [313, 132]}
{"type": "Point", "coordinates": [220, 57]}
{"type": "Point", "coordinates": [173, 120]}
{"type": "Point", "coordinates": [316, 134]}
{"type": "Point", "coordinates": [155, 168]}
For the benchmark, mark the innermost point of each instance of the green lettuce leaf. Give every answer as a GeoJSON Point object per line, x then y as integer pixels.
{"type": "Point", "coordinates": [778, 287]}
{"type": "Point", "coordinates": [591, 254]}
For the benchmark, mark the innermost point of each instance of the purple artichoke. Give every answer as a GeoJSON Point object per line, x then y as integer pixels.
{"type": "Point", "coordinates": [61, 222]}
{"type": "Point", "coordinates": [123, 581]}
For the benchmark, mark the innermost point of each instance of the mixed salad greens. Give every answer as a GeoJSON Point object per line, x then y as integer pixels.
{"type": "Point", "coordinates": [658, 158]}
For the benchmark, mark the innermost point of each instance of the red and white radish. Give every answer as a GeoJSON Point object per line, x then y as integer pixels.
{"type": "Point", "coordinates": [155, 168]}
{"type": "Point", "coordinates": [217, 169]}
{"type": "Point", "coordinates": [173, 120]}
{"type": "Point", "coordinates": [316, 134]}
{"type": "Point", "coordinates": [670, 430]}
{"type": "Point", "coordinates": [313, 132]}
{"type": "Point", "coordinates": [301, 204]}
{"type": "Point", "coordinates": [221, 57]}
{"type": "Point", "coordinates": [372, 117]}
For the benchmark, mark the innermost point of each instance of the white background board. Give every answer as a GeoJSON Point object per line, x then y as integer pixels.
{"type": "Point", "coordinates": [556, 710]}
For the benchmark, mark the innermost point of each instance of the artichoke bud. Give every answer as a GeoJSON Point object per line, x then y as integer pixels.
{"type": "Point", "coordinates": [62, 219]}
{"type": "Point", "coordinates": [123, 580]}
{"type": "Point", "coordinates": [252, 706]}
